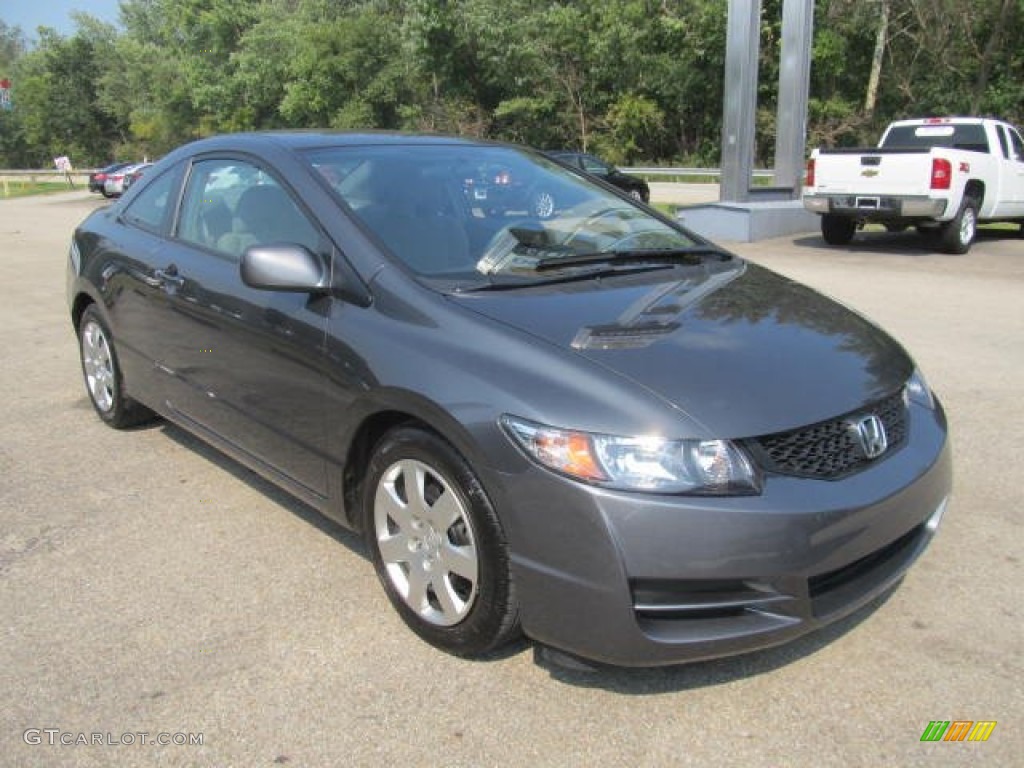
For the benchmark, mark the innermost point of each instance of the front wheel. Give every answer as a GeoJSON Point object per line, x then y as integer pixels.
{"type": "Point", "coordinates": [103, 379]}
{"type": "Point", "coordinates": [437, 544]}
{"type": "Point", "coordinates": [837, 230]}
{"type": "Point", "coordinates": [958, 233]}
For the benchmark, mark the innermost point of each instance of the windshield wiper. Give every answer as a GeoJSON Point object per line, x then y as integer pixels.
{"type": "Point", "coordinates": [589, 274]}
{"type": "Point", "coordinates": [692, 255]}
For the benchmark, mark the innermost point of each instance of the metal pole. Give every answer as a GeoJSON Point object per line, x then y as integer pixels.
{"type": "Point", "coordinates": [743, 38]}
{"type": "Point", "coordinates": [794, 85]}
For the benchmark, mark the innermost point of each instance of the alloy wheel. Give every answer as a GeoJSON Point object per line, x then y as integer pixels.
{"type": "Point", "coordinates": [425, 539]}
{"type": "Point", "coordinates": [98, 364]}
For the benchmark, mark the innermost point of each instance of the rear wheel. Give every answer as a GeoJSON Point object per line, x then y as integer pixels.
{"type": "Point", "coordinates": [437, 544]}
{"type": "Point", "coordinates": [958, 233]}
{"type": "Point", "coordinates": [837, 230]}
{"type": "Point", "coordinates": [103, 379]}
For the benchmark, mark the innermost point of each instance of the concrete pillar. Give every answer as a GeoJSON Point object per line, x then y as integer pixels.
{"type": "Point", "coordinates": [743, 39]}
{"type": "Point", "coordinates": [794, 84]}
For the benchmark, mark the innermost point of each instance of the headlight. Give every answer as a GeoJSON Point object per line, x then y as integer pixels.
{"type": "Point", "coordinates": [918, 391]}
{"type": "Point", "coordinates": [704, 467]}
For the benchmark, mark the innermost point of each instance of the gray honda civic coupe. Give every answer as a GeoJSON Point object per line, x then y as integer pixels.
{"type": "Point", "coordinates": [575, 421]}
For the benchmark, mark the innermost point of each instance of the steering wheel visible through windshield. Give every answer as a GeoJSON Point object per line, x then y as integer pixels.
{"type": "Point", "coordinates": [465, 213]}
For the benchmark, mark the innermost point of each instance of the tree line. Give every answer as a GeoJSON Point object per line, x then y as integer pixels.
{"type": "Point", "coordinates": [638, 81]}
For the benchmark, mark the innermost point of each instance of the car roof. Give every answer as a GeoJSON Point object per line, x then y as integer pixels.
{"type": "Point", "coordinates": [298, 140]}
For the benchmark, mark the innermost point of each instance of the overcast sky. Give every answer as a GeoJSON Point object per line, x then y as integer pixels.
{"type": "Point", "coordinates": [29, 14]}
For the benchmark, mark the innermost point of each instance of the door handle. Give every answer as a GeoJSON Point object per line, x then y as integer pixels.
{"type": "Point", "coordinates": [169, 277]}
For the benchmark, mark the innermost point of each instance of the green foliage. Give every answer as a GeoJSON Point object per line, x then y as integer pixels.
{"type": "Point", "coordinates": [638, 81]}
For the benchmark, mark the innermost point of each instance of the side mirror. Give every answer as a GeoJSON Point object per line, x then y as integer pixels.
{"type": "Point", "coordinates": [283, 268]}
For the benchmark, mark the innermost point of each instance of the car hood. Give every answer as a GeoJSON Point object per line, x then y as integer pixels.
{"type": "Point", "coordinates": [741, 350]}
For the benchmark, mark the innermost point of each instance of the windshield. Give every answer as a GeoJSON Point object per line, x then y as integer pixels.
{"type": "Point", "coordinates": [463, 212]}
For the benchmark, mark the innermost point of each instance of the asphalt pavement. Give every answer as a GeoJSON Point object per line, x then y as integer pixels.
{"type": "Point", "coordinates": [152, 590]}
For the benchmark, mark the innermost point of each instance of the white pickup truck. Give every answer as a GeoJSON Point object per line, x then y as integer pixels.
{"type": "Point", "coordinates": [942, 175]}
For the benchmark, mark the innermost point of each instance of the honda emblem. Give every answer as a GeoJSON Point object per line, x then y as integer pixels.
{"type": "Point", "coordinates": [871, 434]}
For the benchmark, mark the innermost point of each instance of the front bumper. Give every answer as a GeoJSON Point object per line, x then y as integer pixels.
{"type": "Point", "coordinates": [877, 207]}
{"type": "Point", "coordinates": [643, 580]}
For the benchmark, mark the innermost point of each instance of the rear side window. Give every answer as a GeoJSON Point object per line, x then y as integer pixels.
{"type": "Point", "coordinates": [151, 208]}
{"type": "Point", "coordinates": [1016, 147]}
{"type": "Point", "coordinates": [1003, 141]}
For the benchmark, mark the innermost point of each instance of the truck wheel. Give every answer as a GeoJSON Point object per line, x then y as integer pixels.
{"type": "Point", "coordinates": [837, 230]}
{"type": "Point", "coordinates": [958, 233]}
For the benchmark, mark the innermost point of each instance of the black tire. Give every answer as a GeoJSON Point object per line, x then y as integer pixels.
{"type": "Point", "coordinates": [106, 194]}
{"type": "Point", "coordinates": [837, 230]}
{"type": "Point", "coordinates": [637, 194]}
{"type": "Point", "coordinates": [101, 371]}
{"type": "Point", "coordinates": [440, 552]}
{"type": "Point", "coordinates": [957, 234]}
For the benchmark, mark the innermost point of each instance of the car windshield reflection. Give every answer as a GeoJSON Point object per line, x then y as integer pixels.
{"type": "Point", "coordinates": [462, 213]}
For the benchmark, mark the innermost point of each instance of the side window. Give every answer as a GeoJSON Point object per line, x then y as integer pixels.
{"type": "Point", "coordinates": [1017, 147]}
{"type": "Point", "coordinates": [150, 209]}
{"type": "Point", "coordinates": [1003, 141]}
{"type": "Point", "coordinates": [230, 205]}
{"type": "Point", "coordinates": [593, 165]}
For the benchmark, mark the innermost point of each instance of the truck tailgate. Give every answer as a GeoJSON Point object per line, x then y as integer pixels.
{"type": "Point", "coordinates": [899, 172]}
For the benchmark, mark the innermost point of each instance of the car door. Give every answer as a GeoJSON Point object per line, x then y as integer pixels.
{"type": "Point", "coordinates": [1013, 174]}
{"type": "Point", "coordinates": [249, 364]}
{"type": "Point", "coordinates": [133, 249]}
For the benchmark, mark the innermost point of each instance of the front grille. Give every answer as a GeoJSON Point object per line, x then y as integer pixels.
{"type": "Point", "coordinates": [830, 449]}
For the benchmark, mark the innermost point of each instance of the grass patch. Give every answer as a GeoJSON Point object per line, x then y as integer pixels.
{"type": "Point", "coordinates": [11, 189]}
{"type": "Point", "coordinates": [669, 209]}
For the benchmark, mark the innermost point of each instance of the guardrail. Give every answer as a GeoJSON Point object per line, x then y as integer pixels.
{"type": "Point", "coordinates": [44, 174]}
{"type": "Point", "coordinates": [763, 173]}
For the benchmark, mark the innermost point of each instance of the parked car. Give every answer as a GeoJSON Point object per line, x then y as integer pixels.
{"type": "Point", "coordinates": [942, 175]}
{"type": "Point", "coordinates": [133, 175]}
{"type": "Point", "coordinates": [114, 185]}
{"type": "Point", "coordinates": [97, 179]}
{"type": "Point", "coordinates": [634, 186]}
{"type": "Point", "coordinates": [503, 190]}
{"type": "Point", "coordinates": [596, 428]}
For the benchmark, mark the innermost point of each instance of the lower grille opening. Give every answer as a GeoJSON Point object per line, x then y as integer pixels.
{"type": "Point", "coordinates": [862, 573]}
{"type": "Point", "coordinates": [700, 599]}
